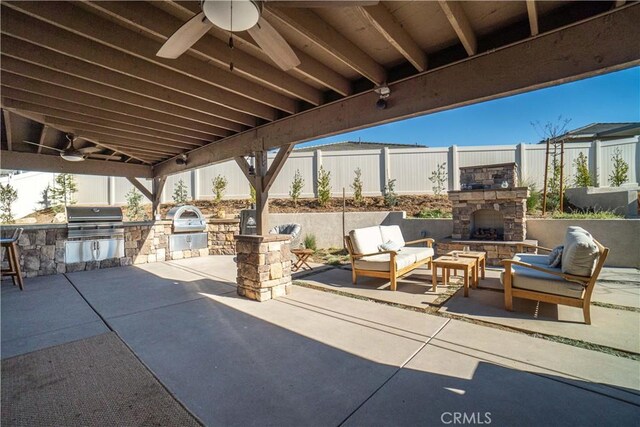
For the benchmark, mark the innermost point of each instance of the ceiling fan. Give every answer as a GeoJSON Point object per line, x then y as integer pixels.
{"type": "Point", "coordinates": [73, 154]}
{"type": "Point", "coordinates": [243, 15]}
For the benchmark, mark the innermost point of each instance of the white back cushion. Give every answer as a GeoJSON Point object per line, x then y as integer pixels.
{"type": "Point", "coordinates": [392, 233]}
{"type": "Point", "coordinates": [366, 240]}
{"type": "Point", "coordinates": [580, 252]}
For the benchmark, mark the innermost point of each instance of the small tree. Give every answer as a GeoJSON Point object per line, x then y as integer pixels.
{"type": "Point", "coordinates": [619, 175]}
{"type": "Point", "coordinates": [219, 184]}
{"type": "Point", "coordinates": [8, 196]}
{"type": "Point", "coordinates": [180, 193]}
{"type": "Point", "coordinates": [45, 201]}
{"type": "Point", "coordinates": [439, 178]}
{"type": "Point", "coordinates": [582, 176]}
{"type": "Point", "coordinates": [62, 192]}
{"type": "Point", "coordinates": [357, 187]}
{"type": "Point", "coordinates": [390, 196]}
{"type": "Point", "coordinates": [324, 187]}
{"type": "Point", "coordinates": [296, 187]}
{"type": "Point", "coordinates": [135, 210]}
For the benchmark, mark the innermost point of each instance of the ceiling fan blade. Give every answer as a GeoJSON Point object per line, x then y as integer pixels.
{"type": "Point", "coordinates": [104, 156]}
{"type": "Point", "coordinates": [274, 45]}
{"type": "Point", "coordinates": [89, 150]}
{"type": "Point", "coordinates": [185, 37]}
{"type": "Point", "coordinates": [44, 146]}
{"type": "Point", "coordinates": [320, 3]}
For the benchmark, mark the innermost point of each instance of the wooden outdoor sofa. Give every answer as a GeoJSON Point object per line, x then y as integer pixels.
{"type": "Point", "coordinates": [382, 252]}
{"type": "Point", "coordinates": [530, 276]}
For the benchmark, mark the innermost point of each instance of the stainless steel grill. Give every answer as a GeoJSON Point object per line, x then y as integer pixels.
{"type": "Point", "coordinates": [98, 234]}
{"type": "Point", "coordinates": [88, 222]}
{"type": "Point", "coordinates": [187, 219]}
{"type": "Point", "coordinates": [189, 229]}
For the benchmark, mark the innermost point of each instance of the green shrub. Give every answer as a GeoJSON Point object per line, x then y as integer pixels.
{"type": "Point", "coordinates": [8, 195]}
{"type": "Point", "coordinates": [296, 187]}
{"type": "Point", "coordinates": [252, 194]}
{"type": "Point", "coordinates": [180, 193]}
{"type": "Point", "coordinates": [324, 187]}
{"type": "Point", "coordinates": [357, 187]}
{"type": "Point", "coordinates": [619, 175]}
{"type": "Point", "coordinates": [535, 196]}
{"type": "Point", "coordinates": [310, 242]}
{"type": "Point", "coordinates": [439, 178]}
{"type": "Point", "coordinates": [582, 176]}
{"type": "Point", "coordinates": [219, 186]}
{"type": "Point", "coordinates": [135, 211]}
{"type": "Point", "coordinates": [433, 213]}
{"type": "Point", "coordinates": [390, 196]}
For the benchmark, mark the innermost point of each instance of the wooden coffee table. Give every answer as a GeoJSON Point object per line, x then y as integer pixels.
{"type": "Point", "coordinates": [447, 263]}
{"type": "Point", "coordinates": [480, 265]}
{"type": "Point", "coordinates": [302, 255]}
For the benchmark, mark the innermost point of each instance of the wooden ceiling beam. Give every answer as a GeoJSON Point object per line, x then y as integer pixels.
{"type": "Point", "coordinates": [97, 114]}
{"type": "Point", "coordinates": [460, 23]}
{"type": "Point", "coordinates": [161, 25]}
{"type": "Point", "coordinates": [316, 31]}
{"type": "Point", "coordinates": [44, 163]}
{"type": "Point", "coordinates": [67, 16]}
{"type": "Point", "coordinates": [599, 45]}
{"type": "Point", "coordinates": [226, 104]}
{"type": "Point", "coordinates": [79, 89]}
{"type": "Point", "coordinates": [6, 115]}
{"type": "Point", "coordinates": [59, 113]}
{"type": "Point", "coordinates": [309, 67]}
{"type": "Point", "coordinates": [385, 23]}
{"type": "Point", "coordinates": [83, 126]}
{"type": "Point", "coordinates": [532, 11]}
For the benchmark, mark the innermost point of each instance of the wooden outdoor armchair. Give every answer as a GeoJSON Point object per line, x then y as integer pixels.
{"type": "Point", "coordinates": [581, 299]}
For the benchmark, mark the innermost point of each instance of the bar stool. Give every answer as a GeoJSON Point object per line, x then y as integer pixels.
{"type": "Point", "coordinates": [11, 245]}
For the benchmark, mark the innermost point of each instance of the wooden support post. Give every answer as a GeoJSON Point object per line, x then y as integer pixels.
{"type": "Point", "coordinates": [546, 173]}
{"type": "Point", "coordinates": [262, 196]}
{"type": "Point", "coordinates": [561, 174]}
{"type": "Point", "coordinates": [158, 185]}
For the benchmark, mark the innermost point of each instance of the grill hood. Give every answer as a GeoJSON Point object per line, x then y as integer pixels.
{"type": "Point", "coordinates": [80, 214]}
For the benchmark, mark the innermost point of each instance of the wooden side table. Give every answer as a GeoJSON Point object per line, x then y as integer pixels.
{"type": "Point", "coordinates": [302, 255]}
{"type": "Point", "coordinates": [467, 265]}
{"type": "Point", "coordinates": [480, 264]}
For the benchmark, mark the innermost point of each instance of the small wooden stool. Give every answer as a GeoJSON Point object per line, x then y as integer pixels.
{"type": "Point", "coordinates": [302, 255]}
{"type": "Point", "coordinates": [11, 246]}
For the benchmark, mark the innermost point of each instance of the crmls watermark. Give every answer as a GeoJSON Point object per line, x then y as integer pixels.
{"type": "Point", "coordinates": [466, 418]}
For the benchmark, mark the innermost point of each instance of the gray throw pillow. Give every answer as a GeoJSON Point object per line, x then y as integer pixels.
{"type": "Point", "coordinates": [580, 252]}
{"type": "Point", "coordinates": [555, 257]}
{"type": "Point", "coordinates": [389, 246]}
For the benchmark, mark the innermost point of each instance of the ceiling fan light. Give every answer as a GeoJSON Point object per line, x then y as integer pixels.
{"type": "Point", "coordinates": [73, 156]}
{"type": "Point", "coordinates": [245, 14]}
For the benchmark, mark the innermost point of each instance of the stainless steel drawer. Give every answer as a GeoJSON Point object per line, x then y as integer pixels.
{"type": "Point", "coordinates": [93, 250]}
{"type": "Point", "coordinates": [188, 241]}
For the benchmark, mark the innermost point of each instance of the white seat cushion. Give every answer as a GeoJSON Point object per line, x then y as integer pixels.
{"type": "Point", "coordinates": [420, 253]}
{"type": "Point", "coordinates": [539, 260]}
{"type": "Point", "coordinates": [533, 280]}
{"type": "Point", "coordinates": [392, 233]}
{"type": "Point", "coordinates": [381, 262]}
{"type": "Point", "coordinates": [366, 240]}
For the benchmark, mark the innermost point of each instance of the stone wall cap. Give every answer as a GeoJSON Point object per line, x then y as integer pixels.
{"type": "Point", "coordinates": [262, 238]}
{"type": "Point", "coordinates": [223, 221]}
{"type": "Point", "coordinates": [488, 189]}
{"type": "Point", "coordinates": [496, 165]}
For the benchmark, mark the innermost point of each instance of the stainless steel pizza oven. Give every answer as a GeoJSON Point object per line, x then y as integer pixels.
{"type": "Point", "coordinates": [189, 229]}
{"type": "Point", "coordinates": [94, 233]}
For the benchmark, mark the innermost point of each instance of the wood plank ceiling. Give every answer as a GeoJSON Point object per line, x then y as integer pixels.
{"type": "Point", "coordinates": [90, 69]}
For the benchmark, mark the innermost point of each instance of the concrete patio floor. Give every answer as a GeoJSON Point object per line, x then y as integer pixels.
{"type": "Point", "coordinates": [316, 358]}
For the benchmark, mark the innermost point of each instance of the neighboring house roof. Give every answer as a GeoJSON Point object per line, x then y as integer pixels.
{"type": "Point", "coordinates": [601, 131]}
{"type": "Point", "coordinates": [354, 145]}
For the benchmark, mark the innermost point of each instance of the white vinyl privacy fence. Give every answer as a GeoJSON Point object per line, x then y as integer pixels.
{"type": "Point", "coordinates": [410, 167]}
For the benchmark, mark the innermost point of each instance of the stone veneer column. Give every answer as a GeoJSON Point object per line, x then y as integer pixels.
{"type": "Point", "coordinates": [264, 266]}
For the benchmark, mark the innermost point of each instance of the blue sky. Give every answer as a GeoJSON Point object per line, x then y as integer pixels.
{"type": "Point", "coordinates": [613, 97]}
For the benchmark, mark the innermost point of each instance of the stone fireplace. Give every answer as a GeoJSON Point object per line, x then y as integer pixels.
{"type": "Point", "coordinates": [489, 212]}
